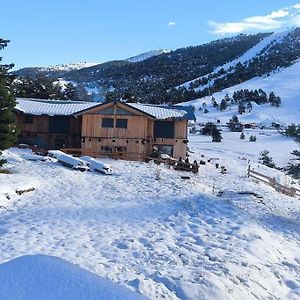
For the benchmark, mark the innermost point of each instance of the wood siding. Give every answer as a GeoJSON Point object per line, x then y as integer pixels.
{"type": "Point", "coordinates": [37, 132]}
{"type": "Point", "coordinates": [136, 140]}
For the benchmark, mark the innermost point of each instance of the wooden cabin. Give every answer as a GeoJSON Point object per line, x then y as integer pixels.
{"type": "Point", "coordinates": [130, 131]}
{"type": "Point", "coordinates": [49, 124]}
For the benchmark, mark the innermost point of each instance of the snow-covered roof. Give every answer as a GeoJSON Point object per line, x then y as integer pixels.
{"type": "Point", "coordinates": [159, 112]}
{"type": "Point", "coordinates": [51, 107]}
{"type": "Point", "coordinates": [67, 108]}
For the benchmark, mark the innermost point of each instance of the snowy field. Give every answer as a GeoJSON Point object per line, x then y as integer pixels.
{"type": "Point", "coordinates": [151, 231]}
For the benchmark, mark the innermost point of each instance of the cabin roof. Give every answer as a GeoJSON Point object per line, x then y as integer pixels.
{"type": "Point", "coordinates": [159, 112]}
{"type": "Point", "coordinates": [51, 107]}
{"type": "Point", "coordinates": [67, 108]}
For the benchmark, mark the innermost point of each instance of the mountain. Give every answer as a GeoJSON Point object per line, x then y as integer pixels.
{"type": "Point", "coordinates": [53, 71]}
{"type": "Point", "coordinates": [147, 55]}
{"type": "Point", "coordinates": [186, 73]}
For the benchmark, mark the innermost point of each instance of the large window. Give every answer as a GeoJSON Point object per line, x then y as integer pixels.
{"type": "Point", "coordinates": [107, 123]}
{"type": "Point", "coordinates": [164, 129]}
{"type": "Point", "coordinates": [121, 123]}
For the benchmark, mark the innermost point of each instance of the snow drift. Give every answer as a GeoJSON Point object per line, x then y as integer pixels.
{"type": "Point", "coordinates": [47, 277]}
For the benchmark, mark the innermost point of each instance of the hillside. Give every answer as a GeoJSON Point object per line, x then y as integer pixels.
{"type": "Point", "coordinates": [148, 77]}
{"type": "Point", "coordinates": [187, 73]}
{"type": "Point", "coordinates": [285, 83]}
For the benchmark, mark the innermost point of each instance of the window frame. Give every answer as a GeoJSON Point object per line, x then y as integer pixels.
{"type": "Point", "coordinates": [103, 120]}
{"type": "Point", "coordinates": [125, 121]}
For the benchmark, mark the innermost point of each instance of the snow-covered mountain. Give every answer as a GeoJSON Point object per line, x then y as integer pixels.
{"type": "Point", "coordinates": [68, 67]}
{"type": "Point", "coordinates": [147, 55]}
{"type": "Point", "coordinates": [260, 49]}
{"type": "Point", "coordinates": [189, 73]}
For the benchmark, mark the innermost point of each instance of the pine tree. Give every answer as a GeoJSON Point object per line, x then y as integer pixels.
{"type": "Point", "coordinates": [8, 130]}
{"type": "Point", "coordinates": [274, 100]}
{"type": "Point", "coordinates": [216, 134]}
{"type": "Point", "coordinates": [293, 168]}
{"type": "Point", "coordinates": [241, 108]}
{"type": "Point", "coordinates": [266, 160]}
{"type": "Point", "coordinates": [70, 91]}
{"type": "Point", "coordinates": [223, 105]}
{"type": "Point", "coordinates": [214, 103]}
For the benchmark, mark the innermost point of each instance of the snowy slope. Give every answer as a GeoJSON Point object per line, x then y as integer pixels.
{"type": "Point", "coordinates": [147, 55]}
{"type": "Point", "coordinates": [168, 238]}
{"type": "Point", "coordinates": [51, 278]}
{"type": "Point", "coordinates": [68, 67]}
{"type": "Point", "coordinates": [258, 49]}
{"type": "Point", "coordinates": [285, 83]}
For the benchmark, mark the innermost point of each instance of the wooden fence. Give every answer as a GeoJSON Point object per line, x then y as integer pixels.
{"type": "Point", "coordinates": [290, 191]}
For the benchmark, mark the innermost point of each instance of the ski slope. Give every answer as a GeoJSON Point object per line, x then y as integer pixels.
{"type": "Point", "coordinates": [258, 49]}
{"type": "Point", "coordinates": [285, 83]}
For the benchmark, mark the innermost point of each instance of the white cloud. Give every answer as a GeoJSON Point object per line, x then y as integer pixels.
{"type": "Point", "coordinates": [275, 20]}
{"type": "Point", "coordinates": [172, 24]}
{"type": "Point", "coordinates": [297, 6]}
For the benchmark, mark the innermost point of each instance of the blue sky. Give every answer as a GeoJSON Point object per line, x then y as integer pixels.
{"type": "Point", "coordinates": [47, 32]}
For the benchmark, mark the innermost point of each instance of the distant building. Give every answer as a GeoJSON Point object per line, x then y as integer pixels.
{"type": "Point", "coordinates": [126, 130]}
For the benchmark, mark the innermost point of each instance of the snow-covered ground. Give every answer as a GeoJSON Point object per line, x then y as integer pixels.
{"type": "Point", "coordinates": [150, 230]}
{"type": "Point", "coordinates": [284, 83]}
{"type": "Point", "coordinates": [51, 278]}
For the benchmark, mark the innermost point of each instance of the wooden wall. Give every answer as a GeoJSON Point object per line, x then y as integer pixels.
{"type": "Point", "coordinates": [37, 132]}
{"type": "Point", "coordinates": [137, 139]}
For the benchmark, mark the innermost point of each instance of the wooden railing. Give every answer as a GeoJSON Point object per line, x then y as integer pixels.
{"type": "Point", "coordinates": [290, 191]}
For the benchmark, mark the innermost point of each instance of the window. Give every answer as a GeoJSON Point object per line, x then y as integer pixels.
{"type": "Point", "coordinates": [121, 123]}
{"type": "Point", "coordinates": [163, 129]}
{"type": "Point", "coordinates": [28, 119]}
{"type": "Point", "coordinates": [107, 123]}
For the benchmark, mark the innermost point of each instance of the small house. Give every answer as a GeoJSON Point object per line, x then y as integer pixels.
{"type": "Point", "coordinates": [49, 124]}
{"type": "Point", "coordinates": [126, 130]}
{"type": "Point", "coordinates": [133, 130]}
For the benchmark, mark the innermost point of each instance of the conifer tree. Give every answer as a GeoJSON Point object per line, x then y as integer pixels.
{"type": "Point", "coordinates": [216, 134]}
{"type": "Point", "coordinates": [8, 130]}
{"type": "Point", "coordinates": [293, 167]}
{"type": "Point", "coordinates": [266, 160]}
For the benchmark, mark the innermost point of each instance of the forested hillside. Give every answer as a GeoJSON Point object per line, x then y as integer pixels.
{"type": "Point", "coordinates": [184, 74]}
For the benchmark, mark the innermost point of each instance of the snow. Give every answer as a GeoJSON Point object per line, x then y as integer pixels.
{"type": "Point", "coordinates": [260, 48]}
{"type": "Point", "coordinates": [68, 67]}
{"type": "Point", "coordinates": [162, 237]}
{"type": "Point", "coordinates": [50, 278]}
{"type": "Point", "coordinates": [96, 165]}
{"type": "Point", "coordinates": [266, 43]}
{"type": "Point", "coordinates": [285, 83]}
{"type": "Point", "coordinates": [147, 55]}
{"type": "Point", "coordinates": [68, 160]}
{"type": "Point", "coordinates": [51, 107]}
{"type": "Point", "coordinates": [159, 112]}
